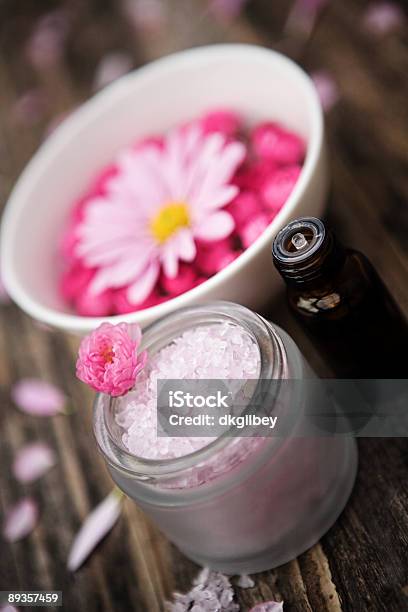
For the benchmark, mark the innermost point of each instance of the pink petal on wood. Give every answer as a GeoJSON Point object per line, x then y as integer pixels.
{"type": "Point", "coordinates": [268, 606]}
{"type": "Point", "coordinates": [38, 397]}
{"type": "Point", "coordinates": [94, 529]}
{"type": "Point", "coordinates": [112, 66]}
{"type": "Point", "coordinates": [226, 10]}
{"type": "Point", "coordinates": [29, 108]}
{"type": "Point", "coordinates": [383, 17]}
{"type": "Point", "coordinates": [327, 89]}
{"type": "Point", "coordinates": [32, 461]}
{"type": "Point", "coordinates": [145, 15]}
{"type": "Point", "coordinates": [20, 519]}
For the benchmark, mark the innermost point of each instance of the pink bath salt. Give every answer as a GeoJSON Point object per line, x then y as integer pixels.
{"type": "Point", "coordinates": [75, 280]}
{"type": "Point", "coordinates": [270, 141]}
{"type": "Point", "coordinates": [214, 256]}
{"type": "Point", "coordinates": [253, 229]}
{"type": "Point", "coordinates": [279, 186]}
{"type": "Point", "coordinates": [184, 281]}
{"type": "Point", "coordinates": [243, 207]}
{"type": "Point", "coordinates": [222, 120]}
{"type": "Point", "coordinates": [89, 305]}
{"type": "Point", "coordinates": [222, 351]}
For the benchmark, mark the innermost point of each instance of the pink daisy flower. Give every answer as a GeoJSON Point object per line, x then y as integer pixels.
{"type": "Point", "coordinates": [160, 201]}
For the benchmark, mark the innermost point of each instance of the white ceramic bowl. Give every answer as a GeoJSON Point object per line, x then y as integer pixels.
{"type": "Point", "coordinates": [261, 84]}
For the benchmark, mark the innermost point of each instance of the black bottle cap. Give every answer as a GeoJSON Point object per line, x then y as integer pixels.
{"type": "Point", "coordinates": [304, 250]}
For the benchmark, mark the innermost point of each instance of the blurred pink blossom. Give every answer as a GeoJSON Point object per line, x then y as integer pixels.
{"type": "Point", "coordinates": [272, 142]}
{"type": "Point", "coordinates": [29, 108]}
{"type": "Point", "coordinates": [46, 44]}
{"type": "Point", "coordinates": [327, 89]}
{"type": "Point", "coordinates": [226, 10]}
{"type": "Point", "coordinates": [33, 461]}
{"type": "Point", "coordinates": [278, 187]}
{"type": "Point", "coordinates": [383, 17]}
{"type": "Point", "coordinates": [111, 67]}
{"type": "Point", "coordinates": [303, 15]}
{"type": "Point", "coordinates": [95, 527]}
{"type": "Point", "coordinates": [149, 15]}
{"type": "Point", "coordinates": [20, 519]}
{"type": "Point", "coordinates": [108, 360]}
{"type": "Point", "coordinates": [38, 397]}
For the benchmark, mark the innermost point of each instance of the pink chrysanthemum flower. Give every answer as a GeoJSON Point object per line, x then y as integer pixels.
{"type": "Point", "coordinates": [162, 198]}
{"type": "Point", "coordinates": [108, 359]}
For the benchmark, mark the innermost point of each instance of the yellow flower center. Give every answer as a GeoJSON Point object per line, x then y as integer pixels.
{"type": "Point", "coordinates": [170, 218]}
{"type": "Point", "coordinates": [107, 354]}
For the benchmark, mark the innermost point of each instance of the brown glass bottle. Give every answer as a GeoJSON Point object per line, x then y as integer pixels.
{"type": "Point", "coordinates": [339, 297]}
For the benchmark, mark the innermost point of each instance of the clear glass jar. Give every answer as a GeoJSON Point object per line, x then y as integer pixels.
{"type": "Point", "coordinates": [261, 501]}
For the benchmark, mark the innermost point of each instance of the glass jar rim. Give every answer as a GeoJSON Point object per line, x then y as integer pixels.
{"type": "Point", "coordinates": [273, 361]}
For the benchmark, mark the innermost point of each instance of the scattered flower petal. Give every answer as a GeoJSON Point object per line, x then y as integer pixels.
{"type": "Point", "coordinates": [213, 257]}
{"type": "Point", "coordinates": [268, 606]}
{"type": "Point", "coordinates": [245, 582]}
{"type": "Point", "coordinates": [211, 591]}
{"type": "Point", "coordinates": [46, 43]}
{"type": "Point", "coordinates": [327, 89]}
{"type": "Point", "coordinates": [145, 15]}
{"type": "Point", "coordinates": [33, 461]}
{"type": "Point", "coordinates": [271, 142]}
{"type": "Point", "coordinates": [227, 10]}
{"type": "Point", "coordinates": [278, 187]}
{"type": "Point", "coordinates": [20, 519]}
{"type": "Point", "coordinates": [29, 108]}
{"type": "Point", "coordinates": [221, 120]}
{"type": "Point", "coordinates": [94, 529]}
{"type": "Point", "coordinates": [108, 360]}
{"type": "Point", "coordinates": [111, 67]}
{"type": "Point", "coordinates": [38, 397]}
{"type": "Point", "coordinates": [89, 305]}
{"type": "Point", "coordinates": [303, 16]}
{"type": "Point", "coordinates": [184, 281]}
{"type": "Point", "coordinates": [383, 17]}
{"type": "Point", "coordinates": [245, 206]}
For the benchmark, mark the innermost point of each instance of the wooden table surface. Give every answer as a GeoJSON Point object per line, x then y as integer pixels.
{"type": "Point", "coordinates": [361, 564]}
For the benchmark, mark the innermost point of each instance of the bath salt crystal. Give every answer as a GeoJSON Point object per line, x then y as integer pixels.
{"type": "Point", "coordinates": [212, 592]}
{"type": "Point", "coordinates": [213, 351]}
{"type": "Point", "coordinates": [245, 582]}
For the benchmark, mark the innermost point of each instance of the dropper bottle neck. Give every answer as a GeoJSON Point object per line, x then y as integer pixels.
{"type": "Point", "coordinates": [306, 253]}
